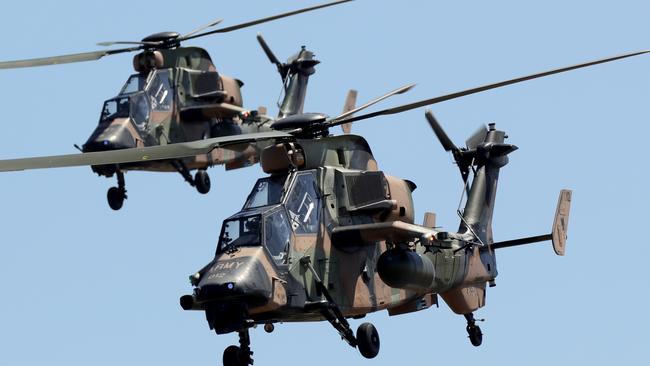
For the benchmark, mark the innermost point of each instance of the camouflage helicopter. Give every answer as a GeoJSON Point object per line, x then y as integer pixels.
{"type": "Point", "coordinates": [176, 95]}
{"type": "Point", "coordinates": [329, 236]}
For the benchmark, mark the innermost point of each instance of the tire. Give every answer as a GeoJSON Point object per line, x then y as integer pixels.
{"type": "Point", "coordinates": [115, 198]}
{"type": "Point", "coordinates": [231, 356]}
{"type": "Point", "coordinates": [368, 340]}
{"type": "Point", "coordinates": [475, 335]}
{"type": "Point", "coordinates": [202, 181]}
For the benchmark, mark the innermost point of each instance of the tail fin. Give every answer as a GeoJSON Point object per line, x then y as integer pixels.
{"type": "Point", "coordinates": [487, 156]}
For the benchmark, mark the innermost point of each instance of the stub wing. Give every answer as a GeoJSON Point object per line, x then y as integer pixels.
{"type": "Point", "coordinates": [394, 231]}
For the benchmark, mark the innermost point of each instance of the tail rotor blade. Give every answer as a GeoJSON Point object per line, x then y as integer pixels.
{"type": "Point", "coordinates": [274, 60]}
{"type": "Point", "coordinates": [350, 103]}
{"type": "Point", "coordinates": [477, 137]}
{"type": "Point", "coordinates": [446, 142]}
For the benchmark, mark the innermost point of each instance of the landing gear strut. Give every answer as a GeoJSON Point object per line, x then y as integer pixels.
{"type": "Point", "coordinates": [239, 356]}
{"type": "Point", "coordinates": [473, 330]}
{"type": "Point", "coordinates": [201, 180]}
{"type": "Point", "coordinates": [367, 337]}
{"type": "Point", "coordinates": [117, 195]}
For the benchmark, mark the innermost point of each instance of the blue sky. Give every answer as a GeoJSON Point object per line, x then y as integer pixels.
{"type": "Point", "coordinates": [82, 284]}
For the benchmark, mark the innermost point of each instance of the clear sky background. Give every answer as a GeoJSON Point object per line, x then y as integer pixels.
{"type": "Point", "coordinates": [84, 285]}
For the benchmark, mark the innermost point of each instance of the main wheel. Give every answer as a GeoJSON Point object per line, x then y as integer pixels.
{"type": "Point", "coordinates": [368, 340]}
{"type": "Point", "coordinates": [115, 197]}
{"type": "Point", "coordinates": [231, 356]}
{"type": "Point", "coordinates": [202, 181]}
{"type": "Point", "coordinates": [475, 335]}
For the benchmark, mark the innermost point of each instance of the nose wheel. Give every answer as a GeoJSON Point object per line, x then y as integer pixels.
{"type": "Point", "coordinates": [239, 356]}
{"type": "Point", "coordinates": [117, 195]}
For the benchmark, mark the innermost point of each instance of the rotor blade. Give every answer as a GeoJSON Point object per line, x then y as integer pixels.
{"type": "Point", "coordinates": [422, 103]}
{"type": "Point", "coordinates": [143, 154]}
{"type": "Point", "coordinates": [202, 28]}
{"type": "Point", "coordinates": [274, 60]}
{"type": "Point", "coordinates": [63, 59]}
{"type": "Point", "coordinates": [264, 20]}
{"type": "Point", "coordinates": [350, 102]}
{"type": "Point", "coordinates": [476, 138]}
{"type": "Point", "coordinates": [111, 43]}
{"type": "Point", "coordinates": [445, 141]}
{"type": "Point", "coordinates": [401, 90]}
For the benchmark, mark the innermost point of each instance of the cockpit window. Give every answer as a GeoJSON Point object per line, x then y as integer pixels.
{"type": "Point", "coordinates": [277, 234]}
{"type": "Point", "coordinates": [136, 83]}
{"type": "Point", "coordinates": [267, 191]}
{"type": "Point", "coordinates": [115, 108]}
{"type": "Point", "coordinates": [303, 204]}
{"type": "Point", "coordinates": [243, 231]}
{"type": "Point", "coordinates": [160, 91]}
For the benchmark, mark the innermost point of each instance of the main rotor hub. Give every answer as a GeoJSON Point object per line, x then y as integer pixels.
{"type": "Point", "coordinates": [165, 39]}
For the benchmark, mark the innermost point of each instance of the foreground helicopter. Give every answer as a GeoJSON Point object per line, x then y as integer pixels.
{"type": "Point", "coordinates": [328, 236]}
{"type": "Point", "coordinates": [176, 95]}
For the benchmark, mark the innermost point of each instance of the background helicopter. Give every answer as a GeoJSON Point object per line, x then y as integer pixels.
{"type": "Point", "coordinates": [484, 48]}
{"type": "Point", "coordinates": [176, 95]}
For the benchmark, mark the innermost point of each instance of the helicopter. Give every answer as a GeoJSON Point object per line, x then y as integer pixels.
{"type": "Point", "coordinates": [177, 95]}
{"type": "Point", "coordinates": [329, 236]}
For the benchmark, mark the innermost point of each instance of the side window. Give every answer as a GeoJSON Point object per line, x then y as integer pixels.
{"type": "Point", "coordinates": [159, 91]}
{"type": "Point", "coordinates": [277, 235]}
{"type": "Point", "coordinates": [303, 204]}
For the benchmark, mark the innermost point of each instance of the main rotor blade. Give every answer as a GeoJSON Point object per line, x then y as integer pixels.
{"type": "Point", "coordinates": [202, 28]}
{"type": "Point", "coordinates": [144, 154]}
{"type": "Point", "coordinates": [141, 43]}
{"type": "Point", "coordinates": [401, 90]}
{"type": "Point", "coordinates": [422, 103]}
{"type": "Point", "coordinates": [263, 20]}
{"type": "Point", "coordinates": [63, 59]}
{"type": "Point", "coordinates": [445, 141]}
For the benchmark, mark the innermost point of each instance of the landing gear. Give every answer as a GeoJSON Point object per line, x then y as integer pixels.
{"type": "Point", "coordinates": [368, 340]}
{"type": "Point", "coordinates": [117, 195]}
{"type": "Point", "coordinates": [201, 180]}
{"type": "Point", "coordinates": [367, 337]}
{"type": "Point", "coordinates": [473, 330]}
{"type": "Point", "coordinates": [239, 356]}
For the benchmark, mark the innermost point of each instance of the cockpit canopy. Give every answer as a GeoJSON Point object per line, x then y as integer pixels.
{"type": "Point", "coordinates": [276, 207]}
{"type": "Point", "coordinates": [140, 95]}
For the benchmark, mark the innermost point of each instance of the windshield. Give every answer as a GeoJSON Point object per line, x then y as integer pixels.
{"type": "Point", "coordinates": [115, 108]}
{"type": "Point", "coordinates": [160, 91]}
{"type": "Point", "coordinates": [135, 83]}
{"type": "Point", "coordinates": [277, 234]}
{"type": "Point", "coordinates": [267, 191]}
{"type": "Point", "coordinates": [243, 231]}
{"type": "Point", "coordinates": [303, 204]}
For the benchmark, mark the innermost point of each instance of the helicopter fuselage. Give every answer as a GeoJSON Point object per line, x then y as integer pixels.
{"type": "Point", "coordinates": [280, 259]}
{"type": "Point", "coordinates": [176, 96]}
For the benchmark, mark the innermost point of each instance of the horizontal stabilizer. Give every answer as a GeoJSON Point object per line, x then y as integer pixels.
{"type": "Point", "coordinates": [558, 234]}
